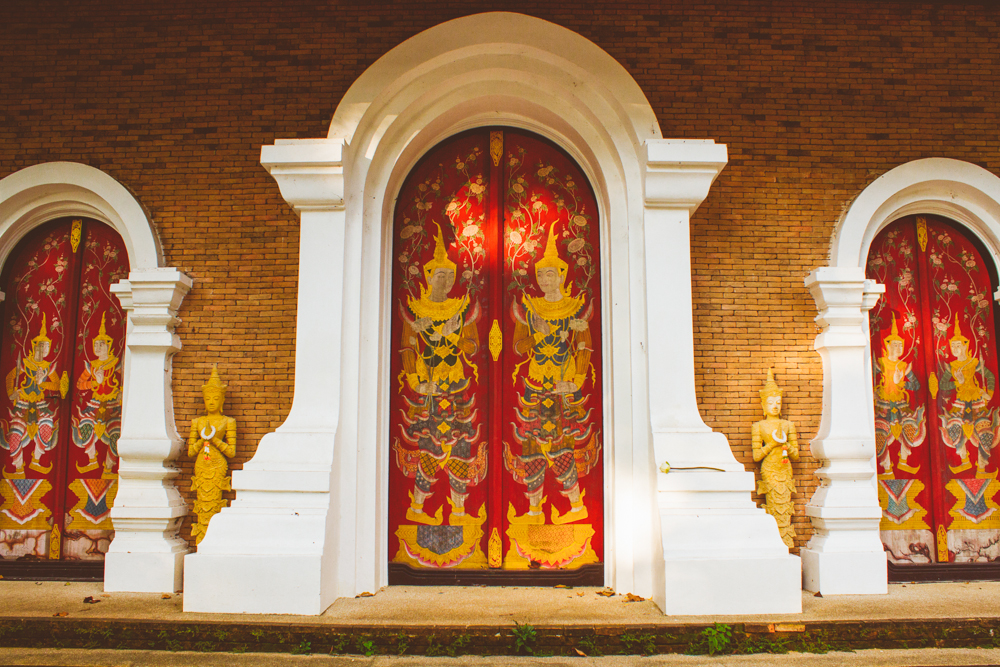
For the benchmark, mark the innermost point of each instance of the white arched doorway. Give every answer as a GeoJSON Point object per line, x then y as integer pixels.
{"type": "Point", "coordinates": [846, 556]}
{"type": "Point", "coordinates": [320, 480]}
{"type": "Point", "coordinates": [146, 553]}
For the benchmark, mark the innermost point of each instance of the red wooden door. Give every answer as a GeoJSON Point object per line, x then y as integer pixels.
{"type": "Point", "coordinates": [934, 359]}
{"type": "Point", "coordinates": [496, 411]}
{"type": "Point", "coordinates": [60, 413]}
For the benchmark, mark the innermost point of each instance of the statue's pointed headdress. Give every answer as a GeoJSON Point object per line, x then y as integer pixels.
{"type": "Point", "coordinates": [103, 334]}
{"type": "Point", "coordinates": [771, 387]}
{"type": "Point", "coordinates": [214, 384]}
{"type": "Point", "coordinates": [551, 257]}
{"type": "Point", "coordinates": [958, 333]}
{"type": "Point", "coordinates": [440, 260]}
{"type": "Point", "coordinates": [41, 337]}
{"type": "Point", "coordinates": [895, 333]}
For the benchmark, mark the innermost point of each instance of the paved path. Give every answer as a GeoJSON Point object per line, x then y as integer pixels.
{"type": "Point", "coordinates": [108, 658]}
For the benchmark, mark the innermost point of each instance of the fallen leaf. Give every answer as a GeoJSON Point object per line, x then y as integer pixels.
{"type": "Point", "coordinates": [818, 595]}
{"type": "Point", "coordinates": [562, 586]}
{"type": "Point", "coordinates": [633, 598]}
{"type": "Point", "coordinates": [66, 584]}
{"type": "Point", "coordinates": [61, 613]}
{"type": "Point", "coordinates": [105, 595]}
{"type": "Point", "coordinates": [166, 596]}
{"type": "Point", "coordinates": [580, 653]}
{"type": "Point", "coordinates": [90, 600]}
{"type": "Point", "coordinates": [366, 594]}
{"type": "Point", "coordinates": [581, 593]}
{"type": "Point", "coordinates": [607, 592]}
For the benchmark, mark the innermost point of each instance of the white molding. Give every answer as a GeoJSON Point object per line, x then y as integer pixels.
{"type": "Point", "coordinates": [145, 553]}
{"type": "Point", "coordinates": [845, 556]}
{"type": "Point", "coordinates": [721, 554]}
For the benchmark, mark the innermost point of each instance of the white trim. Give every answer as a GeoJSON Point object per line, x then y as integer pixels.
{"type": "Point", "coordinates": [845, 555]}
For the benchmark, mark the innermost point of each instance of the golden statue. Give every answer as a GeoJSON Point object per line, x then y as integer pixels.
{"type": "Point", "coordinates": [775, 441]}
{"type": "Point", "coordinates": [211, 451]}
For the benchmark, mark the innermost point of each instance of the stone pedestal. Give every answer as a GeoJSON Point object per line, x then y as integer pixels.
{"type": "Point", "coordinates": [721, 553]}
{"type": "Point", "coordinates": [845, 555]}
{"type": "Point", "coordinates": [147, 554]}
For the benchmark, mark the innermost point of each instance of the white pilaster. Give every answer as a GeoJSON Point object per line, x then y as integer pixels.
{"type": "Point", "coordinates": [269, 551]}
{"type": "Point", "coordinates": [146, 554]}
{"type": "Point", "coordinates": [845, 555]}
{"type": "Point", "coordinates": [721, 553]}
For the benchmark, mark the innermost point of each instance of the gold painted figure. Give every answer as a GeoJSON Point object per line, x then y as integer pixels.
{"type": "Point", "coordinates": [212, 442]}
{"type": "Point", "coordinates": [776, 444]}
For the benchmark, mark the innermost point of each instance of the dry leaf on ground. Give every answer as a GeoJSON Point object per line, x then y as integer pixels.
{"type": "Point", "coordinates": [165, 596]}
{"type": "Point", "coordinates": [633, 598]}
{"type": "Point", "coordinates": [580, 653]}
{"type": "Point", "coordinates": [366, 594]}
{"type": "Point", "coordinates": [61, 613]}
{"type": "Point", "coordinates": [606, 592]}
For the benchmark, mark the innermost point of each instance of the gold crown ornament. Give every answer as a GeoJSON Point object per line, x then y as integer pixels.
{"type": "Point", "coordinates": [440, 260]}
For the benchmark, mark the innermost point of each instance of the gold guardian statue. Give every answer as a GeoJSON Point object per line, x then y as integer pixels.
{"type": "Point", "coordinates": [775, 446]}
{"type": "Point", "coordinates": [212, 442]}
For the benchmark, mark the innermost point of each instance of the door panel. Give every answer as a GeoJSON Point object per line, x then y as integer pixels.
{"type": "Point", "coordinates": [936, 414]}
{"type": "Point", "coordinates": [55, 414]}
{"type": "Point", "coordinates": [495, 424]}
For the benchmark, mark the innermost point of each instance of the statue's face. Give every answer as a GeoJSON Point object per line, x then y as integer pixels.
{"type": "Point", "coordinates": [548, 279]}
{"type": "Point", "coordinates": [442, 280]}
{"type": "Point", "coordinates": [101, 349]}
{"type": "Point", "coordinates": [895, 350]}
{"type": "Point", "coordinates": [41, 350]}
{"type": "Point", "coordinates": [772, 406]}
{"type": "Point", "coordinates": [213, 401]}
{"type": "Point", "coordinates": [960, 349]}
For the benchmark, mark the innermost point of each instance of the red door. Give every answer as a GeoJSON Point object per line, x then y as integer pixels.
{"type": "Point", "coordinates": [933, 340]}
{"type": "Point", "coordinates": [60, 412]}
{"type": "Point", "coordinates": [496, 412]}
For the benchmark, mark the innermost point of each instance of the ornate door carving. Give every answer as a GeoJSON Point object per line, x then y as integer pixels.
{"type": "Point", "coordinates": [496, 411]}
{"type": "Point", "coordinates": [933, 340]}
{"type": "Point", "coordinates": [60, 412]}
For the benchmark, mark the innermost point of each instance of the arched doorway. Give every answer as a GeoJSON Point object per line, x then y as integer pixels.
{"type": "Point", "coordinates": [934, 360]}
{"type": "Point", "coordinates": [496, 412]}
{"type": "Point", "coordinates": [60, 414]}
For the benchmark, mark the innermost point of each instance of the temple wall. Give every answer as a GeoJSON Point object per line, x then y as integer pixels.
{"type": "Point", "coordinates": [813, 99]}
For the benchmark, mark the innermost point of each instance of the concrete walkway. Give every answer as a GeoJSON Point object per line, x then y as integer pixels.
{"type": "Point", "coordinates": [870, 658]}
{"type": "Point", "coordinates": [428, 606]}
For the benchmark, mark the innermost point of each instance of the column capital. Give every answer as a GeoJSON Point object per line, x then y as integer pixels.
{"type": "Point", "coordinates": [309, 172]}
{"type": "Point", "coordinates": [679, 172]}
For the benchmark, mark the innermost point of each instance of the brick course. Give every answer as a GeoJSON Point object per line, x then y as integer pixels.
{"type": "Point", "coordinates": [814, 99]}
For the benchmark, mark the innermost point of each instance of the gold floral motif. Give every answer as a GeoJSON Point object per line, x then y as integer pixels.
{"type": "Point", "coordinates": [55, 543]}
{"type": "Point", "coordinates": [496, 340]}
{"type": "Point", "coordinates": [942, 544]}
{"type": "Point", "coordinates": [922, 233]}
{"type": "Point", "coordinates": [496, 147]}
{"type": "Point", "coordinates": [76, 234]}
{"type": "Point", "coordinates": [495, 549]}
{"type": "Point", "coordinates": [932, 384]}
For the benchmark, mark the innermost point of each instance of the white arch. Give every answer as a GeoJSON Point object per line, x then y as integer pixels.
{"type": "Point", "coordinates": [845, 555]}
{"type": "Point", "coordinates": [320, 480]}
{"type": "Point", "coordinates": [51, 190]}
{"type": "Point", "coordinates": [951, 188]}
{"type": "Point", "coordinates": [146, 553]}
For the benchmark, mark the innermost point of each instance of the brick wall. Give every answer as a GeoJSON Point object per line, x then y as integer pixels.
{"type": "Point", "coordinates": [815, 99]}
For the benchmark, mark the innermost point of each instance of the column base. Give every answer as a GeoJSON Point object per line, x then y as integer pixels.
{"type": "Point", "coordinates": [845, 573]}
{"type": "Point", "coordinates": [731, 586]}
{"type": "Point", "coordinates": [254, 584]}
{"type": "Point", "coordinates": [145, 572]}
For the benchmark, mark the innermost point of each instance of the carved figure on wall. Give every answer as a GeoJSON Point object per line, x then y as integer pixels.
{"type": "Point", "coordinates": [553, 426]}
{"type": "Point", "coordinates": [212, 442]}
{"type": "Point", "coordinates": [895, 420]}
{"type": "Point", "coordinates": [775, 446]}
{"type": "Point", "coordinates": [437, 343]}
{"type": "Point", "coordinates": [33, 419]}
{"type": "Point", "coordinates": [967, 419]}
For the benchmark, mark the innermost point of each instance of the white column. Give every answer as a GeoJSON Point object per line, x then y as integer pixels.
{"type": "Point", "coordinates": [147, 554]}
{"type": "Point", "coordinates": [721, 553]}
{"type": "Point", "coordinates": [269, 551]}
{"type": "Point", "coordinates": [845, 555]}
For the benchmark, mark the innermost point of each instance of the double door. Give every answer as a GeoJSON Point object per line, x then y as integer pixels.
{"type": "Point", "coordinates": [496, 404]}
{"type": "Point", "coordinates": [63, 334]}
{"type": "Point", "coordinates": [937, 415]}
